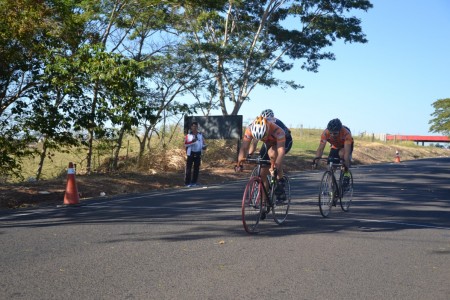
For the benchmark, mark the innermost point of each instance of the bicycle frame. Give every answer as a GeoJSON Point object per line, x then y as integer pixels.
{"type": "Point", "coordinates": [259, 199]}
{"type": "Point", "coordinates": [331, 188]}
{"type": "Point", "coordinates": [271, 178]}
{"type": "Point", "coordinates": [332, 167]}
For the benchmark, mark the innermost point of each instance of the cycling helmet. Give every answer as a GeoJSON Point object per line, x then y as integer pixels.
{"type": "Point", "coordinates": [259, 127]}
{"type": "Point", "coordinates": [267, 113]}
{"type": "Point", "coordinates": [334, 125]}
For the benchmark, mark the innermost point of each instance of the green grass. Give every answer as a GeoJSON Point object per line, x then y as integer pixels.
{"type": "Point", "coordinates": [305, 140]}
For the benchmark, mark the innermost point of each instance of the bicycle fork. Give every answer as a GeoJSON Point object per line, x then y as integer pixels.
{"type": "Point", "coordinates": [334, 191]}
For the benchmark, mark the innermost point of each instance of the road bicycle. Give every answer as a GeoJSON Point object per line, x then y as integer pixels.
{"type": "Point", "coordinates": [258, 200]}
{"type": "Point", "coordinates": [332, 189]}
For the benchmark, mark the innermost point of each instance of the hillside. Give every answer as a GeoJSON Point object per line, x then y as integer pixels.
{"type": "Point", "coordinates": [215, 169]}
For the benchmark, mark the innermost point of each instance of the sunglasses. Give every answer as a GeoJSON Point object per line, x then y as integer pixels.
{"type": "Point", "coordinates": [334, 132]}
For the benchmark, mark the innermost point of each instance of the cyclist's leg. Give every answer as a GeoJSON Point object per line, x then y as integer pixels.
{"type": "Point", "coordinates": [281, 186]}
{"type": "Point", "coordinates": [288, 144]}
{"type": "Point", "coordinates": [264, 154]}
{"type": "Point", "coordinates": [281, 209]}
{"type": "Point", "coordinates": [351, 152]}
{"type": "Point", "coordinates": [347, 191]}
{"type": "Point", "coordinates": [279, 190]}
{"type": "Point", "coordinates": [344, 177]}
{"type": "Point", "coordinates": [334, 155]}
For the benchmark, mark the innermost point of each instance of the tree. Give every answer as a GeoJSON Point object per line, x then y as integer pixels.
{"type": "Point", "coordinates": [29, 31]}
{"type": "Point", "coordinates": [241, 45]}
{"type": "Point", "coordinates": [441, 117]}
{"type": "Point", "coordinates": [93, 44]}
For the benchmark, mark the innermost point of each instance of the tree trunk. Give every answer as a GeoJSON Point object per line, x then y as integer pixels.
{"type": "Point", "coordinates": [41, 159]}
{"type": "Point", "coordinates": [118, 147]}
{"type": "Point", "coordinates": [91, 130]}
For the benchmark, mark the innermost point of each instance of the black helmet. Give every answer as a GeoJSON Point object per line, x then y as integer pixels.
{"type": "Point", "coordinates": [334, 125]}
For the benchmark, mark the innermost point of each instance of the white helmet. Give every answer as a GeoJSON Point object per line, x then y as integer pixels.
{"type": "Point", "coordinates": [259, 128]}
{"type": "Point", "coordinates": [267, 113]}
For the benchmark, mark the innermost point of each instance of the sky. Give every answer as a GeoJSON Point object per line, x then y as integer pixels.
{"type": "Point", "coordinates": [387, 85]}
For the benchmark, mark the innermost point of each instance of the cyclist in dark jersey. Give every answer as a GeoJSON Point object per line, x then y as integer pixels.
{"type": "Point", "coordinates": [269, 115]}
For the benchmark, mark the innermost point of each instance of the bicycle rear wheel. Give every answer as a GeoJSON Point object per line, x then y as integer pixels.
{"type": "Point", "coordinates": [347, 192]}
{"type": "Point", "coordinates": [326, 194]}
{"type": "Point", "coordinates": [252, 204]}
{"type": "Point", "coordinates": [280, 209]}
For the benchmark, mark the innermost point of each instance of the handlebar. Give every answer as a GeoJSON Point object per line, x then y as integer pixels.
{"type": "Point", "coordinates": [258, 160]}
{"type": "Point", "coordinates": [329, 162]}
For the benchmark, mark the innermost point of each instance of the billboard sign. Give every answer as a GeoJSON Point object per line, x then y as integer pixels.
{"type": "Point", "coordinates": [216, 127]}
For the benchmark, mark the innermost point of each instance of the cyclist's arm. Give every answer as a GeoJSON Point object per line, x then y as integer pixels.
{"type": "Point", "coordinates": [252, 148]}
{"type": "Point", "coordinates": [320, 149]}
{"type": "Point", "coordinates": [243, 152]}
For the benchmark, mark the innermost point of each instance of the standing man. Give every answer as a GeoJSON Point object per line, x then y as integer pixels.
{"type": "Point", "coordinates": [194, 144]}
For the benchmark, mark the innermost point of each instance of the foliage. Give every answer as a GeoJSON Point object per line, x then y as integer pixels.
{"type": "Point", "coordinates": [242, 44]}
{"type": "Point", "coordinates": [29, 31]}
{"type": "Point", "coordinates": [441, 117]}
{"type": "Point", "coordinates": [15, 144]}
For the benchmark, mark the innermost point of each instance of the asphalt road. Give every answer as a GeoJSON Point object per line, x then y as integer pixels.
{"type": "Point", "coordinates": [190, 244]}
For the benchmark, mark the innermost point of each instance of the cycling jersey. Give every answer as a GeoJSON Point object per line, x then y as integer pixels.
{"type": "Point", "coordinates": [274, 134]}
{"type": "Point", "coordinates": [338, 141]}
{"type": "Point", "coordinates": [286, 130]}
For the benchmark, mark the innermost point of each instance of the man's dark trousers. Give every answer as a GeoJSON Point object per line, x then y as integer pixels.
{"type": "Point", "coordinates": [193, 159]}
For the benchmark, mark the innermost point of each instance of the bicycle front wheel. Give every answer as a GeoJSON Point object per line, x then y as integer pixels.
{"type": "Point", "coordinates": [280, 209]}
{"type": "Point", "coordinates": [255, 172]}
{"type": "Point", "coordinates": [326, 194]}
{"type": "Point", "coordinates": [347, 192]}
{"type": "Point", "coordinates": [252, 204]}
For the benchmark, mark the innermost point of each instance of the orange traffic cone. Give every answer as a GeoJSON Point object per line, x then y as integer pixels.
{"type": "Point", "coordinates": [397, 157]}
{"type": "Point", "coordinates": [71, 195]}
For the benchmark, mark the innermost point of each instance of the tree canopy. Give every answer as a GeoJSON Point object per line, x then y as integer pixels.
{"type": "Point", "coordinates": [242, 45]}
